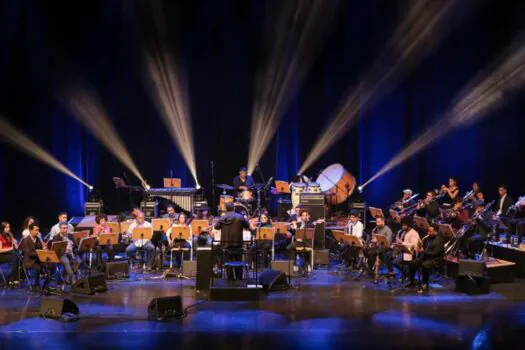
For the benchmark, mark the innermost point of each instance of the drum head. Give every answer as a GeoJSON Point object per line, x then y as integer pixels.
{"type": "Point", "coordinates": [330, 176]}
{"type": "Point", "coordinates": [240, 208]}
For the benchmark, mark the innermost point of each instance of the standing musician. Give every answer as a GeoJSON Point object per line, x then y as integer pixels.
{"type": "Point", "coordinates": [100, 228]}
{"type": "Point", "coordinates": [9, 251]}
{"type": "Point", "coordinates": [503, 203]}
{"type": "Point", "coordinates": [354, 228]}
{"type": "Point", "coordinates": [232, 225]}
{"type": "Point", "coordinates": [428, 208]}
{"type": "Point", "coordinates": [451, 192]}
{"type": "Point", "coordinates": [375, 251]}
{"type": "Point", "coordinates": [433, 249]}
{"type": "Point", "coordinates": [146, 244]}
{"type": "Point", "coordinates": [28, 246]}
{"type": "Point", "coordinates": [70, 261]}
{"type": "Point", "coordinates": [179, 242]}
{"type": "Point", "coordinates": [409, 238]}
{"type": "Point", "coordinates": [243, 181]}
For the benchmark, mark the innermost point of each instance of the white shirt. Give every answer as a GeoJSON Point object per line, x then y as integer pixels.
{"type": "Point", "coordinates": [355, 229]}
{"type": "Point", "coordinates": [134, 225]}
{"type": "Point", "coordinates": [55, 230]}
{"type": "Point", "coordinates": [25, 233]}
{"type": "Point", "coordinates": [500, 210]}
{"type": "Point", "coordinates": [168, 233]}
{"type": "Point", "coordinates": [411, 241]}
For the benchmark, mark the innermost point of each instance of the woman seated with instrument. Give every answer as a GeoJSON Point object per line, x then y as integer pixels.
{"type": "Point", "coordinates": [179, 242]}
{"type": "Point", "coordinates": [9, 252]}
{"type": "Point", "coordinates": [102, 228]}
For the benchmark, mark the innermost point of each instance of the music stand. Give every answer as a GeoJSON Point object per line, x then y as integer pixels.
{"type": "Point", "coordinates": [394, 214]}
{"type": "Point", "coordinates": [282, 187]}
{"type": "Point", "coordinates": [114, 227]}
{"type": "Point", "coordinates": [198, 226]}
{"type": "Point", "coordinates": [162, 225]}
{"type": "Point", "coordinates": [381, 240]}
{"type": "Point", "coordinates": [305, 233]}
{"type": "Point", "coordinates": [403, 248]}
{"type": "Point", "coordinates": [87, 244]}
{"type": "Point", "coordinates": [376, 212]}
{"type": "Point", "coordinates": [281, 227]}
{"type": "Point", "coordinates": [78, 236]}
{"type": "Point", "coordinates": [124, 226]}
{"type": "Point", "coordinates": [59, 248]}
{"type": "Point", "coordinates": [265, 233]}
{"type": "Point", "coordinates": [47, 257]}
{"type": "Point", "coordinates": [348, 239]}
{"type": "Point", "coordinates": [172, 182]}
{"type": "Point", "coordinates": [108, 238]}
{"type": "Point", "coordinates": [421, 223]}
{"type": "Point", "coordinates": [119, 182]}
{"type": "Point", "coordinates": [446, 230]}
{"type": "Point", "coordinates": [142, 234]}
{"type": "Point", "coordinates": [180, 232]}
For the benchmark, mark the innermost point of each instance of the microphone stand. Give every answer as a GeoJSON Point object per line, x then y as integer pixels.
{"type": "Point", "coordinates": [213, 184]}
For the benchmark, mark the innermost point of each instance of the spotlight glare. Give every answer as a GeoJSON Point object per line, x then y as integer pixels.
{"type": "Point", "coordinates": [198, 186]}
{"type": "Point", "coordinates": [360, 189]}
{"type": "Point", "coordinates": [25, 144]}
{"type": "Point", "coordinates": [91, 187]}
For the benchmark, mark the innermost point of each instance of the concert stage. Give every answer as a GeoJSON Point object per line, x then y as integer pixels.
{"type": "Point", "coordinates": [323, 312]}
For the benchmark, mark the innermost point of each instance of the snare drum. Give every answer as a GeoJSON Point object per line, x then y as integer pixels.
{"type": "Point", "coordinates": [246, 195]}
{"type": "Point", "coordinates": [223, 200]}
{"type": "Point", "coordinates": [297, 188]}
{"type": "Point", "coordinates": [314, 187]}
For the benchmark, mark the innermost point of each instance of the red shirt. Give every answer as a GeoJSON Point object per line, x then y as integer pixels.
{"type": "Point", "coordinates": [6, 241]}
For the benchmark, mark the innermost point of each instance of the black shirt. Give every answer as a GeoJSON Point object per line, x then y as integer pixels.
{"type": "Point", "coordinates": [248, 181]}
{"type": "Point", "coordinates": [232, 226]}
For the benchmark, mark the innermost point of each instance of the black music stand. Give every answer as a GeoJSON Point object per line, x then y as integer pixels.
{"type": "Point", "coordinates": [88, 244]}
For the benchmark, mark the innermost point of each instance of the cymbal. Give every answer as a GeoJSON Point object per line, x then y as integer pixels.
{"type": "Point", "coordinates": [225, 187]}
{"type": "Point", "coordinates": [257, 186]}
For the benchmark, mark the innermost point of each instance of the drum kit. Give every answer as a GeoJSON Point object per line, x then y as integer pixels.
{"type": "Point", "coordinates": [335, 182]}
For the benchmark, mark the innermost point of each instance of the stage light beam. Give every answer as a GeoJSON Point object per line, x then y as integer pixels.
{"type": "Point", "coordinates": [295, 39]}
{"type": "Point", "coordinates": [167, 86]}
{"type": "Point", "coordinates": [485, 93]}
{"type": "Point", "coordinates": [420, 31]}
{"type": "Point", "coordinates": [86, 107]}
{"type": "Point", "coordinates": [25, 144]}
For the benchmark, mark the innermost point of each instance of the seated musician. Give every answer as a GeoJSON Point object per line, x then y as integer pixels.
{"type": "Point", "coordinates": [170, 213]}
{"type": "Point", "coordinates": [146, 244]}
{"type": "Point", "coordinates": [380, 252]}
{"type": "Point", "coordinates": [450, 191]}
{"type": "Point", "coordinates": [409, 238]}
{"type": "Point", "coordinates": [70, 260]}
{"type": "Point", "coordinates": [243, 181]}
{"type": "Point", "coordinates": [28, 246]}
{"type": "Point", "coordinates": [179, 242]}
{"type": "Point", "coordinates": [62, 217]}
{"type": "Point", "coordinates": [27, 221]}
{"type": "Point", "coordinates": [480, 231]}
{"type": "Point", "coordinates": [458, 216]}
{"type": "Point", "coordinates": [264, 245]}
{"type": "Point", "coordinates": [433, 250]}
{"type": "Point", "coordinates": [296, 215]}
{"type": "Point", "coordinates": [102, 228]}
{"type": "Point", "coordinates": [9, 252]}
{"type": "Point", "coordinates": [429, 207]}
{"type": "Point", "coordinates": [303, 223]}
{"type": "Point", "coordinates": [232, 225]}
{"type": "Point", "coordinates": [204, 237]}
{"type": "Point", "coordinates": [354, 228]}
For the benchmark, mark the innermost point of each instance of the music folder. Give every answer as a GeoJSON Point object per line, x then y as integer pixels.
{"type": "Point", "coordinates": [108, 238]}
{"type": "Point", "coordinates": [282, 187]}
{"type": "Point", "coordinates": [421, 222]}
{"type": "Point", "coordinates": [59, 247]}
{"type": "Point", "coordinates": [305, 233]}
{"type": "Point", "coordinates": [280, 227]}
{"type": "Point", "coordinates": [47, 256]}
{"type": "Point", "coordinates": [114, 227]}
{"type": "Point", "coordinates": [87, 243]}
{"type": "Point", "coordinates": [180, 232]}
{"type": "Point", "coordinates": [172, 182]}
{"type": "Point", "coordinates": [381, 240]}
{"type": "Point", "coordinates": [78, 236]}
{"type": "Point", "coordinates": [265, 233]}
{"type": "Point", "coordinates": [142, 233]}
{"type": "Point", "coordinates": [376, 212]}
{"type": "Point", "coordinates": [161, 224]}
{"type": "Point", "coordinates": [343, 237]}
{"type": "Point", "coordinates": [198, 226]}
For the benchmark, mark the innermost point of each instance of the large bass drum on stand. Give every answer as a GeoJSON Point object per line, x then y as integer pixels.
{"type": "Point", "coordinates": [336, 183]}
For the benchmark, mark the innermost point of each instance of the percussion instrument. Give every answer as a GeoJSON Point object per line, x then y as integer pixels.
{"type": "Point", "coordinates": [313, 187]}
{"type": "Point", "coordinates": [183, 197]}
{"type": "Point", "coordinates": [223, 200]}
{"type": "Point", "coordinates": [246, 195]}
{"type": "Point", "coordinates": [297, 188]}
{"type": "Point", "coordinates": [225, 187]}
{"type": "Point", "coordinates": [337, 183]}
{"type": "Point", "coordinates": [241, 209]}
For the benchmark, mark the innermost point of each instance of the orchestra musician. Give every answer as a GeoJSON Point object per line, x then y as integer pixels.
{"type": "Point", "coordinates": [146, 244]}
{"type": "Point", "coordinates": [303, 223]}
{"type": "Point", "coordinates": [354, 228]}
{"type": "Point", "coordinates": [503, 203]}
{"type": "Point", "coordinates": [204, 237]}
{"type": "Point", "coordinates": [451, 192]}
{"type": "Point", "coordinates": [28, 246]}
{"type": "Point", "coordinates": [170, 213]}
{"type": "Point", "coordinates": [433, 246]}
{"type": "Point", "coordinates": [409, 239]}
{"type": "Point", "coordinates": [62, 217]}
{"type": "Point", "coordinates": [232, 225]}
{"type": "Point", "coordinates": [179, 242]}
{"type": "Point", "coordinates": [296, 215]}
{"type": "Point", "coordinates": [457, 216]}
{"type": "Point", "coordinates": [394, 222]}
{"type": "Point", "coordinates": [243, 181]}
{"type": "Point", "coordinates": [101, 228]}
{"type": "Point", "coordinates": [27, 221]}
{"type": "Point", "coordinates": [383, 253]}
{"type": "Point", "coordinates": [428, 208]}
{"type": "Point", "coordinates": [70, 260]}
{"type": "Point", "coordinates": [479, 232]}
{"type": "Point", "coordinates": [9, 252]}
{"type": "Point", "coordinates": [264, 245]}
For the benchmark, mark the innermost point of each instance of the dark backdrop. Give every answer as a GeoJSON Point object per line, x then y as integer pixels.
{"type": "Point", "coordinates": [220, 42]}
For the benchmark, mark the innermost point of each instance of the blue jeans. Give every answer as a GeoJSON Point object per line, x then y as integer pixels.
{"type": "Point", "coordinates": [131, 250]}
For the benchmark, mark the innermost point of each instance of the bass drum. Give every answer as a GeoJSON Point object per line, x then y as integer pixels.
{"type": "Point", "coordinates": [241, 209]}
{"type": "Point", "coordinates": [336, 183]}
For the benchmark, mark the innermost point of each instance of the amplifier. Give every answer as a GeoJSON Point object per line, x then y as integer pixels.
{"type": "Point", "coordinates": [311, 199]}
{"type": "Point", "coordinates": [149, 208]}
{"type": "Point", "coordinates": [92, 208]}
